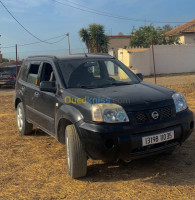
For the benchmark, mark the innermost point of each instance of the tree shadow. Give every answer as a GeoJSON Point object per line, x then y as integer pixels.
{"type": "Point", "coordinates": [172, 170]}
{"type": "Point", "coordinates": [36, 132]}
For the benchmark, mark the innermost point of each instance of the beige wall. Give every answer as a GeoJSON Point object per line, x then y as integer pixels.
{"type": "Point", "coordinates": [168, 59]}
{"type": "Point", "coordinates": [190, 38]}
{"type": "Point", "coordinates": [182, 39]}
{"type": "Point", "coordinates": [124, 56]}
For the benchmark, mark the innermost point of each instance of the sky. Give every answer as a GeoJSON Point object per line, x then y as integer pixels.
{"type": "Point", "coordinates": [47, 19]}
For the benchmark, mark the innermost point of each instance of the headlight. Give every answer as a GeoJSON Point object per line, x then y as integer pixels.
{"type": "Point", "coordinates": [180, 102]}
{"type": "Point", "coordinates": [110, 113]}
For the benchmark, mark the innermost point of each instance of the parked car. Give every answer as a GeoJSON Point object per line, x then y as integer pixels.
{"type": "Point", "coordinates": [8, 75]}
{"type": "Point", "coordinates": [99, 109]}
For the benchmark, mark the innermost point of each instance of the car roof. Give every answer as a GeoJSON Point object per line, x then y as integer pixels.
{"type": "Point", "coordinates": [72, 56]}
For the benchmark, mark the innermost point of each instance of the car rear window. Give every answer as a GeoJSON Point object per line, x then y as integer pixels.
{"type": "Point", "coordinates": [6, 70]}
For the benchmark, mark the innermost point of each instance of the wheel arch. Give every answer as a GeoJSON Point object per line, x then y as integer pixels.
{"type": "Point", "coordinates": [62, 124]}
{"type": "Point", "coordinates": [17, 101]}
{"type": "Point", "coordinates": [65, 116]}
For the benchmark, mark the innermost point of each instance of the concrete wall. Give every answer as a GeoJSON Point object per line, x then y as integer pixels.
{"type": "Point", "coordinates": [141, 62]}
{"type": "Point", "coordinates": [168, 59]}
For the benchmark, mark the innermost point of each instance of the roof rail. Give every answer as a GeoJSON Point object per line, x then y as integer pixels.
{"type": "Point", "coordinates": [49, 56]}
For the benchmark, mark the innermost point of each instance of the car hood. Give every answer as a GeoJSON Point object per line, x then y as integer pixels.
{"type": "Point", "coordinates": [136, 96]}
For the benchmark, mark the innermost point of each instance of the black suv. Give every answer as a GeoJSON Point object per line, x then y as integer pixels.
{"type": "Point", "coordinates": [8, 75]}
{"type": "Point", "coordinates": [99, 109]}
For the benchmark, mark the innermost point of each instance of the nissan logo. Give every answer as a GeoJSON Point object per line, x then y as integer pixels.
{"type": "Point", "coordinates": [155, 115]}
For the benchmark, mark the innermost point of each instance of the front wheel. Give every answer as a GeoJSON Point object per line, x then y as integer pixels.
{"type": "Point", "coordinates": [23, 126]}
{"type": "Point", "coordinates": [75, 154]}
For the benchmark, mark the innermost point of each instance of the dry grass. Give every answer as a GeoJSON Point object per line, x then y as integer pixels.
{"type": "Point", "coordinates": [33, 167]}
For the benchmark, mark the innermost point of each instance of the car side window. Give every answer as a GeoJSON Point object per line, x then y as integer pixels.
{"type": "Point", "coordinates": [23, 71]}
{"type": "Point", "coordinates": [47, 73]}
{"type": "Point", "coordinates": [32, 77]}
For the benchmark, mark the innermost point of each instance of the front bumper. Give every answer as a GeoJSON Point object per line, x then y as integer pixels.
{"type": "Point", "coordinates": [124, 141]}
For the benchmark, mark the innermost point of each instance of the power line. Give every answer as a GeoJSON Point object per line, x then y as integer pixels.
{"type": "Point", "coordinates": [94, 11]}
{"type": "Point", "coordinates": [27, 44]}
{"type": "Point", "coordinates": [21, 24]}
{"type": "Point", "coordinates": [45, 50]}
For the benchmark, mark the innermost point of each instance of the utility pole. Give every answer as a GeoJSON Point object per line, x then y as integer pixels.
{"type": "Point", "coordinates": [68, 43]}
{"type": "Point", "coordinates": [16, 60]}
{"type": "Point", "coordinates": [154, 62]}
{"type": "Point", "coordinates": [0, 46]}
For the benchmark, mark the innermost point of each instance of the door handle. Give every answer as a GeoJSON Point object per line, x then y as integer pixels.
{"type": "Point", "coordinates": [36, 94]}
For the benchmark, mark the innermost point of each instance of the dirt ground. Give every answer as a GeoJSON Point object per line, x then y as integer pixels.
{"type": "Point", "coordinates": [33, 167]}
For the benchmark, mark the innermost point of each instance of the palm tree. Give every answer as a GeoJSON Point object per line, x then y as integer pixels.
{"type": "Point", "coordinates": [85, 37]}
{"type": "Point", "coordinates": [95, 38]}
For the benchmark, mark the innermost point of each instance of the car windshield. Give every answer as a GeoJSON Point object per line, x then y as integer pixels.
{"type": "Point", "coordinates": [96, 73]}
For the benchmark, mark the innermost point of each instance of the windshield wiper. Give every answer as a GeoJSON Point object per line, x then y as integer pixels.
{"type": "Point", "coordinates": [121, 83]}
{"type": "Point", "coordinates": [87, 87]}
{"type": "Point", "coordinates": [115, 84]}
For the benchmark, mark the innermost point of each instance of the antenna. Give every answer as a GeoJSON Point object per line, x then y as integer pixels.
{"type": "Point", "coordinates": [83, 48]}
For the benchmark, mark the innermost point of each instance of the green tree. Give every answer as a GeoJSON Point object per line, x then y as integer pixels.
{"type": "Point", "coordinates": [145, 35]}
{"type": "Point", "coordinates": [95, 39]}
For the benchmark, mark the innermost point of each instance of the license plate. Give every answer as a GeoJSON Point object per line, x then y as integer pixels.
{"type": "Point", "coordinates": [154, 139]}
{"type": "Point", "coordinates": [2, 82]}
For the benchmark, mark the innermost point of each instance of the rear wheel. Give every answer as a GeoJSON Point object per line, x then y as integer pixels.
{"type": "Point", "coordinates": [75, 154]}
{"type": "Point", "coordinates": [23, 126]}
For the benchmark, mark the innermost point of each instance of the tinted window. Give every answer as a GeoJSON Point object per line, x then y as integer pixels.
{"type": "Point", "coordinates": [6, 70]}
{"type": "Point", "coordinates": [9, 70]}
{"type": "Point", "coordinates": [33, 74]}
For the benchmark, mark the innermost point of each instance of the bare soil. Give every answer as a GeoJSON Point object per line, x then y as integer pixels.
{"type": "Point", "coordinates": [34, 166]}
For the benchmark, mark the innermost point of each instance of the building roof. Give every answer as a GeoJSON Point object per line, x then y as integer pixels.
{"type": "Point", "coordinates": [118, 36]}
{"type": "Point", "coordinates": [188, 27]}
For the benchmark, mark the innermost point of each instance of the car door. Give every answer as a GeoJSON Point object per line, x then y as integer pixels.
{"type": "Point", "coordinates": [45, 102]}
{"type": "Point", "coordinates": [28, 84]}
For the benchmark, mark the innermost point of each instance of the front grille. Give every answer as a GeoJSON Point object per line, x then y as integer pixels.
{"type": "Point", "coordinates": [165, 112]}
{"type": "Point", "coordinates": [146, 115]}
{"type": "Point", "coordinates": [140, 117]}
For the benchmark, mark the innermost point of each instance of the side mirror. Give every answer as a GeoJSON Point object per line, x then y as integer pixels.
{"type": "Point", "coordinates": [140, 76]}
{"type": "Point", "coordinates": [48, 86]}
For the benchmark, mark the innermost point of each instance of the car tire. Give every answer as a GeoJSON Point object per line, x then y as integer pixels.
{"type": "Point", "coordinates": [75, 155]}
{"type": "Point", "coordinates": [24, 127]}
